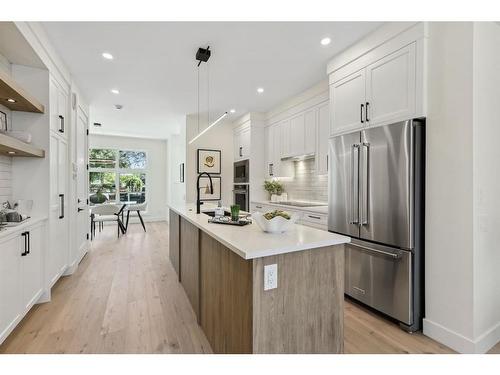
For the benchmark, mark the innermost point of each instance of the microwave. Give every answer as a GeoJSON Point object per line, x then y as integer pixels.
{"type": "Point", "coordinates": [241, 172]}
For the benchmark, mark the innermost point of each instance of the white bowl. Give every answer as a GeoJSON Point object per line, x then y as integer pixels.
{"type": "Point", "coordinates": [277, 224]}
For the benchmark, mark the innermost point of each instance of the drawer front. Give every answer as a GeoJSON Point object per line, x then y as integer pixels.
{"type": "Point", "coordinates": [380, 280]}
{"type": "Point", "coordinates": [254, 207]}
{"type": "Point", "coordinates": [316, 219]}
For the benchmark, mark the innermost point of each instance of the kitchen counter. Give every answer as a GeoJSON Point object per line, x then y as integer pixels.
{"type": "Point", "coordinates": [7, 231]}
{"type": "Point", "coordinates": [256, 243]}
{"type": "Point", "coordinates": [296, 308]}
{"type": "Point", "coordinates": [314, 209]}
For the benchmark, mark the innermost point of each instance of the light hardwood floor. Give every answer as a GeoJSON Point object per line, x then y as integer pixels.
{"type": "Point", "coordinates": [125, 298]}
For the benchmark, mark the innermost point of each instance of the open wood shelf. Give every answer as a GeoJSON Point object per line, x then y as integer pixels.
{"type": "Point", "coordinates": [14, 147]}
{"type": "Point", "coordinates": [24, 101]}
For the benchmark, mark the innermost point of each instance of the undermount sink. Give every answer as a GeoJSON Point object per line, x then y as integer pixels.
{"type": "Point", "coordinates": [212, 213]}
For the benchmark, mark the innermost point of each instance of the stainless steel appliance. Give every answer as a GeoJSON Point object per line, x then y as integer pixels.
{"type": "Point", "coordinates": [377, 198]}
{"type": "Point", "coordinates": [241, 171]}
{"type": "Point", "coordinates": [241, 196]}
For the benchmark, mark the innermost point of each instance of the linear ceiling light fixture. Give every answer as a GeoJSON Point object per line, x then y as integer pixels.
{"type": "Point", "coordinates": [202, 55]}
{"type": "Point", "coordinates": [208, 127]}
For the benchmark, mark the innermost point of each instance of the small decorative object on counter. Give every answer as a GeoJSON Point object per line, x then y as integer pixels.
{"type": "Point", "coordinates": [274, 188]}
{"type": "Point", "coordinates": [219, 210]}
{"type": "Point", "coordinates": [276, 221]}
{"type": "Point", "coordinates": [235, 212]}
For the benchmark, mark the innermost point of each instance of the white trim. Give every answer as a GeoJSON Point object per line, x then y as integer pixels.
{"type": "Point", "coordinates": [459, 342]}
{"type": "Point", "coordinates": [124, 135]}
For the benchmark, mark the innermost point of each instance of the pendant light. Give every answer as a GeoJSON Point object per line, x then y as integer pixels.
{"type": "Point", "coordinates": [202, 55]}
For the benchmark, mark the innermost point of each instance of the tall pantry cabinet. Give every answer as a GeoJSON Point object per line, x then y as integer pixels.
{"type": "Point", "coordinates": [59, 170]}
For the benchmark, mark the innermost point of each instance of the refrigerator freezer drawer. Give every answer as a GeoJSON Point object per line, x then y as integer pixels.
{"type": "Point", "coordinates": [380, 277]}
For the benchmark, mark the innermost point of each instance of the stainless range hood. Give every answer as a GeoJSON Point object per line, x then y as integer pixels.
{"type": "Point", "coordinates": [300, 157]}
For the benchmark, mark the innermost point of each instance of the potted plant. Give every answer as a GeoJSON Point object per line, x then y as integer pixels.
{"type": "Point", "coordinates": [274, 188]}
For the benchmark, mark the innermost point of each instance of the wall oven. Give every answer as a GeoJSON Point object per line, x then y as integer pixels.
{"type": "Point", "coordinates": [241, 196]}
{"type": "Point", "coordinates": [241, 172]}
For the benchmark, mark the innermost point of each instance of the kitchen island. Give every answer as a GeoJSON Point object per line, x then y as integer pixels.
{"type": "Point", "coordinates": [221, 268]}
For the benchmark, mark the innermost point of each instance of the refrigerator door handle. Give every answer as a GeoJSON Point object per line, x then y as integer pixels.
{"type": "Point", "coordinates": [354, 184]}
{"type": "Point", "coordinates": [365, 182]}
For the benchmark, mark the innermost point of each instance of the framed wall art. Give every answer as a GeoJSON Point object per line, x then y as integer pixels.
{"type": "Point", "coordinates": [205, 189]}
{"type": "Point", "coordinates": [209, 161]}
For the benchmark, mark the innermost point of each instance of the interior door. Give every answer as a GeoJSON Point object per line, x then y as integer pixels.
{"type": "Point", "coordinates": [343, 215]}
{"type": "Point", "coordinates": [386, 185]}
{"type": "Point", "coordinates": [348, 99]}
{"type": "Point", "coordinates": [390, 87]}
{"type": "Point", "coordinates": [82, 220]}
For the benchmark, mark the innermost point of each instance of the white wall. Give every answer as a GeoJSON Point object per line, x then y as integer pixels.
{"type": "Point", "coordinates": [220, 137]}
{"type": "Point", "coordinates": [486, 184]}
{"type": "Point", "coordinates": [448, 213]}
{"type": "Point", "coordinates": [462, 205]}
{"type": "Point", "coordinates": [177, 155]}
{"type": "Point", "coordinates": [156, 173]}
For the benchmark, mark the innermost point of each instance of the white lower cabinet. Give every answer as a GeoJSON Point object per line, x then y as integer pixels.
{"type": "Point", "coordinates": [22, 255]}
{"type": "Point", "coordinates": [310, 219]}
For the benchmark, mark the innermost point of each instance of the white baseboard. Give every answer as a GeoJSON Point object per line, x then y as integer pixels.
{"type": "Point", "coordinates": [459, 342]}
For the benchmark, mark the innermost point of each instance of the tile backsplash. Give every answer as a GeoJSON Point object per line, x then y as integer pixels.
{"type": "Point", "coordinates": [306, 185]}
{"type": "Point", "coordinates": [5, 178]}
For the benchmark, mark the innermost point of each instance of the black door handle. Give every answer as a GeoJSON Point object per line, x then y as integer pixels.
{"type": "Point", "coordinates": [61, 124]}
{"type": "Point", "coordinates": [61, 196]}
{"type": "Point", "coordinates": [25, 252]}
{"type": "Point", "coordinates": [366, 115]}
{"type": "Point", "coordinates": [361, 112]}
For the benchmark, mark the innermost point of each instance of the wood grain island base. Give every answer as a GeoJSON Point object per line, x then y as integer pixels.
{"type": "Point", "coordinates": [304, 314]}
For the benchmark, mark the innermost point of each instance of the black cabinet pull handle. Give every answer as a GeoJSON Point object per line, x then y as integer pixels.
{"type": "Point", "coordinates": [80, 209]}
{"type": "Point", "coordinates": [241, 151]}
{"type": "Point", "coordinates": [61, 196]}
{"type": "Point", "coordinates": [366, 115]}
{"type": "Point", "coordinates": [61, 124]}
{"type": "Point", "coordinates": [314, 217]}
{"type": "Point", "coordinates": [361, 113]}
{"type": "Point", "coordinates": [29, 241]}
{"type": "Point", "coordinates": [25, 252]}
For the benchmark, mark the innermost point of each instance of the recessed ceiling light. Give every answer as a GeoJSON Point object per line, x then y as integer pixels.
{"type": "Point", "coordinates": [260, 90]}
{"type": "Point", "coordinates": [10, 100]}
{"type": "Point", "coordinates": [325, 41]}
{"type": "Point", "coordinates": [232, 110]}
{"type": "Point", "coordinates": [107, 55]}
{"type": "Point", "coordinates": [11, 152]}
{"type": "Point", "coordinates": [115, 91]}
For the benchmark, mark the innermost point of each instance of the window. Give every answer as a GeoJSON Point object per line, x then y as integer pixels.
{"type": "Point", "coordinates": [117, 175]}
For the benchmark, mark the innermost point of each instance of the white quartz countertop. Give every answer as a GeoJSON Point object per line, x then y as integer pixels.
{"type": "Point", "coordinates": [251, 242]}
{"type": "Point", "coordinates": [6, 231]}
{"type": "Point", "coordinates": [316, 209]}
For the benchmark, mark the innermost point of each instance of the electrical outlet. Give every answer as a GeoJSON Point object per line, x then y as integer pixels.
{"type": "Point", "coordinates": [270, 276]}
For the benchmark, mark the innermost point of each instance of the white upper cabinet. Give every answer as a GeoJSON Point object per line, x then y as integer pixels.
{"type": "Point", "coordinates": [310, 131]}
{"type": "Point", "coordinates": [390, 87]}
{"type": "Point", "coordinates": [323, 116]}
{"type": "Point", "coordinates": [286, 139]}
{"type": "Point", "coordinates": [380, 80]}
{"type": "Point", "coordinates": [297, 130]}
{"type": "Point", "coordinates": [242, 143]}
{"type": "Point", "coordinates": [348, 100]}
{"type": "Point", "coordinates": [275, 167]}
{"type": "Point", "coordinates": [59, 100]}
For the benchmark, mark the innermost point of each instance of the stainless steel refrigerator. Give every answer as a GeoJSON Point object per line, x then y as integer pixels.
{"type": "Point", "coordinates": [376, 196]}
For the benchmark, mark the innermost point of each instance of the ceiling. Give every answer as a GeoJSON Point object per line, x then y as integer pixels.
{"type": "Point", "coordinates": [154, 67]}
